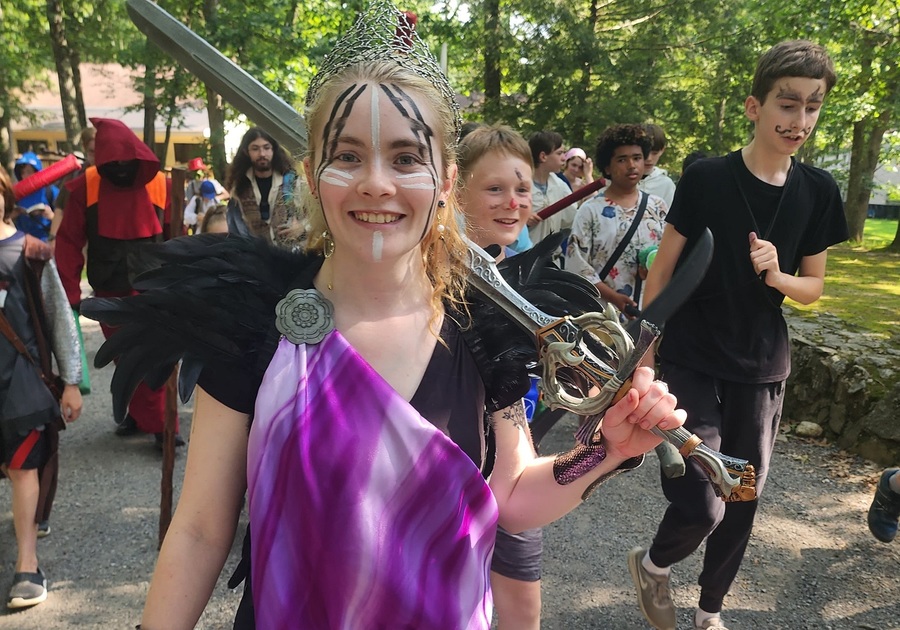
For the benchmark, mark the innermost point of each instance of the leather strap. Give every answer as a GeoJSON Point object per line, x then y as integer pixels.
{"type": "Point", "coordinates": [7, 330]}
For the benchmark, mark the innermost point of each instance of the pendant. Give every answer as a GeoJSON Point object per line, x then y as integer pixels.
{"type": "Point", "coordinates": [304, 316]}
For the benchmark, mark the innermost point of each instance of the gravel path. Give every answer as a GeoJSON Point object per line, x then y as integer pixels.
{"type": "Point", "coordinates": [811, 563]}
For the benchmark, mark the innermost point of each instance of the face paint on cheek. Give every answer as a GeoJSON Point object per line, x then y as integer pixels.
{"type": "Point", "coordinates": [377, 246]}
{"type": "Point", "coordinates": [332, 175]}
{"type": "Point", "coordinates": [418, 185]}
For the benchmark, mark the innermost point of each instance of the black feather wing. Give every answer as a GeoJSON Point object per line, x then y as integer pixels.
{"type": "Point", "coordinates": [207, 299]}
{"type": "Point", "coordinates": [504, 351]}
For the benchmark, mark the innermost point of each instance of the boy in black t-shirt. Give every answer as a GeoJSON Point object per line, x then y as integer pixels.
{"type": "Point", "coordinates": [726, 352]}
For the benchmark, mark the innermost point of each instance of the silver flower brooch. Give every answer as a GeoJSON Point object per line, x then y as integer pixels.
{"type": "Point", "coordinates": [304, 316]}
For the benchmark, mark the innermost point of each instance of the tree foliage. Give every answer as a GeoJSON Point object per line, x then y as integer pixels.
{"type": "Point", "coordinates": [24, 56]}
{"type": "Point", "coordinates": [575, 66]}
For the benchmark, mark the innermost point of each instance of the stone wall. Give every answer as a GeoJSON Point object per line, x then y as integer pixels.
{"type": "Point", "coordinates": [848, 382]}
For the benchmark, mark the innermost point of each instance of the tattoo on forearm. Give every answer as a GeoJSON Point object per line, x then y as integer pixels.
{"type": "Point", "coordinates": [516, 415]}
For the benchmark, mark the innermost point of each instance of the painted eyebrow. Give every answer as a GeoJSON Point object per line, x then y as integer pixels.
{"type": "Point", "coordinates": [351, 140]}
{"type": "Point", "coordinates": [396, 144]}
{"type": "Point", "coordinates": [792, 95]}
{"type": "Point", "coordinates": [407, 144]}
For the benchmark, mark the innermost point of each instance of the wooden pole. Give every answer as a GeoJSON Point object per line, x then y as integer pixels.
{"type": "Point", "coordinates": [175, 229]}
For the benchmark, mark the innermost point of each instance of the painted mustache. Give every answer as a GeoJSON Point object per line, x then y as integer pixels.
{"type": "Point", "coordinates": [787, 132]}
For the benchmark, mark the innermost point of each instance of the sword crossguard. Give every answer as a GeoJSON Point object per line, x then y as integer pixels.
{"type": "Point", "coordinates": [587, 350]}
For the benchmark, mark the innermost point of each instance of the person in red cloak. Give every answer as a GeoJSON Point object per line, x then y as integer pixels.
{"type": "Point", "coordinates": [115, 206]}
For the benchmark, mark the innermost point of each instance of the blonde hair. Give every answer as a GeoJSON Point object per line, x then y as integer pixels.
{"type": "Point", "coordinates": [9, 197]}
{"type": "Point", "coordinates": [443, 250]}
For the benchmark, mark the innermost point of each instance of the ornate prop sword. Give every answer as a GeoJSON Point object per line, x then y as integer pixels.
{"type": "Point", "coordinates": [573, 343]}
{"type": "Point", "coordinates": [594, 345]}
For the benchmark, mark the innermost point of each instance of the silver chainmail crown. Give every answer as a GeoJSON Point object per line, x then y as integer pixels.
{"type": "Point", "coordinates": [382, 32]}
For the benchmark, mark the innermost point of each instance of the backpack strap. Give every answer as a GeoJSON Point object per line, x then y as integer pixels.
{"type": "Point", "coordinates": [625, 239]}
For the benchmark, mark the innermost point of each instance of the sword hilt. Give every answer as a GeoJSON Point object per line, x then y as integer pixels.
{"type": "Point", "coordinates": [733, 479]}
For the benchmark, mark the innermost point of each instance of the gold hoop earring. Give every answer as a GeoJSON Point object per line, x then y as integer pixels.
{"type": "Point", "coordinates": [328, 244]}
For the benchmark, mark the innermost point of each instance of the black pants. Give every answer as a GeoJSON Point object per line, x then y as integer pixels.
{"type": "Point", "coordinates": [737, 419]}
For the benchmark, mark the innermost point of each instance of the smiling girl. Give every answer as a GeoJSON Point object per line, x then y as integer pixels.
{"type": "Point", "coordinates": [365, 460]}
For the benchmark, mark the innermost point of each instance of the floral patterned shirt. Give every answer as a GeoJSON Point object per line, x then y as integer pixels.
{"type": "Point", "coordinates": [599, 226]}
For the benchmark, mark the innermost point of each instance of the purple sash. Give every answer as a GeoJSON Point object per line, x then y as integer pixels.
{"type": "Point", "coordinates": [363, 514]}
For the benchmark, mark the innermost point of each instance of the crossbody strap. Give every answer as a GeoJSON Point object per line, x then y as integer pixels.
{"type": "Point", "coordinates": [625, 239]}
{"type": "Point", "coordinates": [730, 160]}
{"type": "Point", "coordinates": [8, 332]}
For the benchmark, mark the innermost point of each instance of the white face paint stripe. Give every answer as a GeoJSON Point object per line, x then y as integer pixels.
{"type": "Point", "coordinates": [334, 171]}
{"type": "Point", "coordinates": [377, 245]}
{"type": "Point", "coordinates": [411, 175]}
{"type": "Point", "coordinates": [325, 179]}
{"type": "Point", "coordinates": [417, 186]}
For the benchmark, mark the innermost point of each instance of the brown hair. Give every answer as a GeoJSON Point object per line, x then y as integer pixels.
{"type": "Point", "coordinates": [236, 179]}
{"type": "Point", "coordinates": [213, 215]}
{"type": "Point", "coordinates": [6, 188]}
{"type": "Point", "coordinates": [792, 58]}
{"type": "Point", "coordinates": [443, 253]}
{"type": "Point", "coordinates": [87, 134]}
{"type": "Point", "coordinates": [657, 136]}
{"type": "Point", "coordinates": [486, 139]}
{"type": "Point", "coordinates": [543, 142]}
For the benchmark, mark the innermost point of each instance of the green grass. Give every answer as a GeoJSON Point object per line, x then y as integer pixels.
{"type": "Point", "coordinates": [862, 284]}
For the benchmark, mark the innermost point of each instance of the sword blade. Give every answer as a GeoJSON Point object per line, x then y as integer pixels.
{"type": "Point", "coordinates": [246, 94]}
{"type": "Point", "coordinates": [488, 280]}
{"type": "Point", "coordinates": [683, 283]}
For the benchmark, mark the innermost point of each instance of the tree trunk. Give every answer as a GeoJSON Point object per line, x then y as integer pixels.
{"type": "Point", "coordinates": [215, 108]}
{"type": "Point", "coordinates": [492, 39]}
{"type": "Point", "coordinates": [895, 246]}
{"type": "Point", "coordinates": [163, 149]}
{"type": "Point", "coordinates": [75, 63]}
{"type": "Point", "coordinates": [581, 108]}
{"type": "Point", "coordinates": [6, 149]}
{"type": "Point", "coordinates": [867, 136]}
{"type": "Point", "coordinates": [216, 111]}
{"type": "Point", "coordinates": [72, 26]}
{"type": "Point", "coordinates": [149, 100]}
{"type": "Point", "coordinates": [63, 70]}
{"type": "Point", "coordinates": [721, 115]}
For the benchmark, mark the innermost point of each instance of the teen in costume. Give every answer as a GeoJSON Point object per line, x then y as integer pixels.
{"type": "Point", "coordinates": [364, 387]}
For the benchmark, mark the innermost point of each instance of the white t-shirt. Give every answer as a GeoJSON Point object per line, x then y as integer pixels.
{"type": "Point", "coordinates": [556, 190]}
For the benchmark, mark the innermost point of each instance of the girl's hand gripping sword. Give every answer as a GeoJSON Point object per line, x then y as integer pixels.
{"type": "Point", "coordinates": [587, 363]}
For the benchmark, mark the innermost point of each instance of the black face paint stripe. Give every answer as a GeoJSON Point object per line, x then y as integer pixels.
{"type": "Point", "coordinates": [334, 109]}
{"type": "Point", "coordinates": [339, 123]}
{"type": "Point", "coordinates": [419, 126]}
{"type": "Point", "coordinates": [429, 133]}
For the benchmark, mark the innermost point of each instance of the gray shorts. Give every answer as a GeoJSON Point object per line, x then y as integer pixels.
{"type": "Point", "coordinates": [518, 556]}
